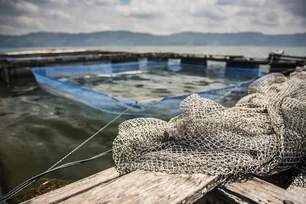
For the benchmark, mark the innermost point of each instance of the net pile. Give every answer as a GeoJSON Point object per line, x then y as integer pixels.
{"type": "Point", "coordinates": [264, 133]}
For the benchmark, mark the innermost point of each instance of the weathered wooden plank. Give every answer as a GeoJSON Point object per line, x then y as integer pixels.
{"type": "Point", "coordinates": [298, 186]}
{"type": "Point", "coordinates": [299, 191]}
{"type": "Point", "coordinates": [76, 188]}
{"type": "Point", "coordinates": [259, 191]}
{"type": "Point", "coordinates": [153, 187]}
{"type": "Point", "coordinates": [149, 187]}
{"type": "Point", "coordinates": [136, 187]}
{"type": "Point", "coordinates": [227, 197]}
{"type": "Point", "coordinates": [217, 196]}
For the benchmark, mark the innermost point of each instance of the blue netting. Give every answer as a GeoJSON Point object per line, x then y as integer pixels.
{"type": "Point", "coordinates": [48, 79]}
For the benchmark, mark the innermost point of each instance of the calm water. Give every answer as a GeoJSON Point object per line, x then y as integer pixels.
{"type": "Point", "coordinates": [37, 129]}
{"type": "Point", "coordinates": [149, 84]}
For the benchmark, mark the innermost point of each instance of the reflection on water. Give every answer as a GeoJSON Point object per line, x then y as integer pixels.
{"type": "Point", "coordinates": [153, 83]}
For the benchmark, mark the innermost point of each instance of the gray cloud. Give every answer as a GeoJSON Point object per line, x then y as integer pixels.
{"type": "Point", "coordinates": [139, 10]}
{"type": "Point", "coordinates": [143, 15]}
{"type": "Point", "coordinates": [296, 7]}
{"type": "Point", "coordinates": [241, 3]}
{"type": "Point", "coordinates": [96, 2]}
{"type": "Point", "coordinates": [16, 8]}
{"type": "Point", "coordinates": [154, 16]}
{"type": "Point", "coordinates": [246, 12]}
{"type": "Point", "coordinates": [209, 12]}
{"type": "Point", "coordinates": [268, 21]}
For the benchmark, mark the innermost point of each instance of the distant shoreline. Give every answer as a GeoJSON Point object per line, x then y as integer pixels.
{"type": "Point", "coordinates": [93, 47]}
{"type": "Point", "coordinates": [125, 38]}
{"type": "Point", "coordinates": [247, 51]}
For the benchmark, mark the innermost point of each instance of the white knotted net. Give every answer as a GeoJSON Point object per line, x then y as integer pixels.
{"type": "Point", "coordinates": [264, 133]}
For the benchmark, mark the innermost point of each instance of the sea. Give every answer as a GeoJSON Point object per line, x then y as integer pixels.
{"type": "Point", "coordinates": [37, 129]}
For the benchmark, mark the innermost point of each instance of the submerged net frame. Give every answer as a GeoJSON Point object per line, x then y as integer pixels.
{"type": "Point", "coordinates": [47, 79]}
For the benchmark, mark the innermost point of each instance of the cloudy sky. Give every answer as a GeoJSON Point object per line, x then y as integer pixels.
{"type": "Point", "coordinates": [153, 16]}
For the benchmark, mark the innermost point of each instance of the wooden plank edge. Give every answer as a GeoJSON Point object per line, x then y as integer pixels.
{"type": "Point", "coordinates": [259, 191]}
{"type": "Point", "coordinates": [76, 187]}
{"type": "Point", "coordinates": [148, 187]}
{"type": "Point", "coordinates": [298, 185]}
{"type": "Point", "coordinates": [101, 188]}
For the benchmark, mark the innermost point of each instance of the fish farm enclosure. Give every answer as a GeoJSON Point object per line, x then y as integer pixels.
{"type": "Point", "coordinates": [157, 87]}
{"type": "Point", "coordinates": [19, 64]}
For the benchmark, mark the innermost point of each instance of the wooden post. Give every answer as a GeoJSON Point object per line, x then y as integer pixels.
{"type": "Point", "coordinates": [6, 75]}
{"type": "Point", "coordinates": [194, 61]}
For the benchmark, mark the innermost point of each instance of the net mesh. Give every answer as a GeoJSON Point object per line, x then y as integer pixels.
{"type": "Point", "coordinates": [263, 134]}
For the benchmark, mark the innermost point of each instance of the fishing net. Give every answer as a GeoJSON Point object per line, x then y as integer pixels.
{"type": "Point", "coordinates": [263, 134]}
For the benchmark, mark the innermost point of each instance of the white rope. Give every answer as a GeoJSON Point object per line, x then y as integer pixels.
{"type": "Point", "coordinates": [231, 90]}
{"type": "Point", "coordinates": [96, 133]}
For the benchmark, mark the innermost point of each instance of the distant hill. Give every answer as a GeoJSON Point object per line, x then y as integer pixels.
{"type": "Point", "coordinates": [119, 38]}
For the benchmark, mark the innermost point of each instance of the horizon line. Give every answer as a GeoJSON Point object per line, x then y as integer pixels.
{"type": "Point", "coordinates": [138, 32]}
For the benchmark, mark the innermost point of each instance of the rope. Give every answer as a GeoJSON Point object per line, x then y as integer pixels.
{"type": "Point", "coordinates": [31, 180]}
{"type": "Point", "coordinates": [227, 93]}
{"type": "Point", "coordinates": [233, 89]}
{"type": "Point", "coordinates": [78, 147]}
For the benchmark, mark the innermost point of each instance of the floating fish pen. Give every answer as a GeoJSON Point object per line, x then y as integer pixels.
{"type": "Point", "coordinates": [19, 64]}
{"type": "Point", "coordinates": [158, 87]}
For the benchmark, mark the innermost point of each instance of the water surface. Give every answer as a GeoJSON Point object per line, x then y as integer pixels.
{"type": "Point", "coordinates": [152, 83]}
{"type": "Point", "coordinates": [37, 129]}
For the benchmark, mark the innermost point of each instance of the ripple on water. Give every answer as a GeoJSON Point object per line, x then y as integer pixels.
{"type": "Point", "coordinates": [37, 133]}
{"type": "Point", "coordinates": [156, 83]}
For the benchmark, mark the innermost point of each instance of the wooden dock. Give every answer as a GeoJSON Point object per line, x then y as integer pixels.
{"type": "Point", "coordinates": [19, 64]}
{"type": "Point", "coordinates": [153, 187]}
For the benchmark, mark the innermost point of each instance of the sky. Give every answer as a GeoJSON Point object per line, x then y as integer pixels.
{"type": "Point", "coordinates": [160, 17]}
